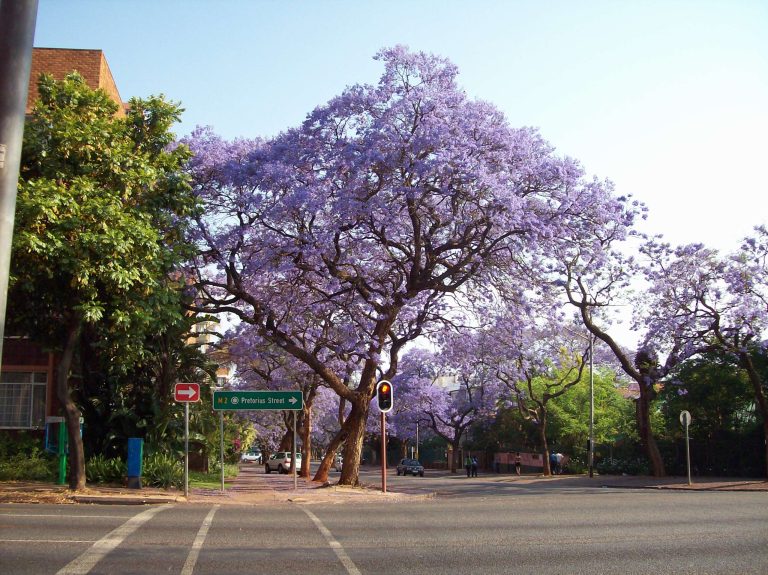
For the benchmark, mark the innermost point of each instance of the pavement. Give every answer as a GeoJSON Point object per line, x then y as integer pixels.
{"type": "Point", "coordinates": [252, 488]}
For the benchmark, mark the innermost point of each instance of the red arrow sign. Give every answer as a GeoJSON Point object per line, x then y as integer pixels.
{"type": "Point", "coordinates": [186, 392]}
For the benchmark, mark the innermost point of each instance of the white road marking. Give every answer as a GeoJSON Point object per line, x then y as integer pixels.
{"type": "Point", "coordinates": [96, 552]}
{"type": "Point", "coordinates": [335, 545]}
{"type": "Point", "coordinates": [189, 564]}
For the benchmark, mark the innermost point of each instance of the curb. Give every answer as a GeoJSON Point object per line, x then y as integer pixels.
{"type": "Point", "coordinates": [112, 500]}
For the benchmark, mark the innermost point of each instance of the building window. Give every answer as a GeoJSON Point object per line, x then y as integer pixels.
{"type": "Point", "coordinates": [22, 399]}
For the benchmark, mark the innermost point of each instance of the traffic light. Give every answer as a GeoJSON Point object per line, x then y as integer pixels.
{"type": "Point", "coordinates": [384, 395]}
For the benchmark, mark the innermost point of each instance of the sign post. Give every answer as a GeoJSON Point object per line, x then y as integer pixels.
{"type": "Point", "coordinates": [262, 401]}
{"type": "Point", "coordinates": [685, 420]}
{"type": "Point", "coordinates": [186, 393]}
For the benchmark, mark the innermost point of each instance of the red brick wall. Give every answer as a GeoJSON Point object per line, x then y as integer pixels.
{"type": "Point", "coordinates": [58, 62]}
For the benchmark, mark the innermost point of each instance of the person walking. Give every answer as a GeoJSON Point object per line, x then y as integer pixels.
{"type": "Point", "coordinates": [474, 467]}
{"type": "Point", "coordinates": [518, 464]}
{"type": "Point", "coordinates": [553, 463]}
{"type": "Point", "coordinates": [468, 465]}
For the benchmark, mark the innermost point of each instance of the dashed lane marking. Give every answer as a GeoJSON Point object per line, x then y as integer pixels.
{"type": "Point", "coordinates": [189, 564]}
{"type": "Point", "coordinates": [335, 545]}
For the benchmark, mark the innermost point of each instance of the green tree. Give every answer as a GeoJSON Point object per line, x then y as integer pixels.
{"type": "Point", "coordinates": [100, 213]}
{"type": "Point", "coordinates": [725, 428]}
{"type": "Point", "coordinates": [614, 414]}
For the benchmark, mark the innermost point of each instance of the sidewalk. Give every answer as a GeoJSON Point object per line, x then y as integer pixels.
{"type": "Point", "coordinates": [252, 488]}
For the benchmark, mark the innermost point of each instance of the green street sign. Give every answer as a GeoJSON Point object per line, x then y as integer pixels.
{"type": "Point", "coordinates": [263, 400]}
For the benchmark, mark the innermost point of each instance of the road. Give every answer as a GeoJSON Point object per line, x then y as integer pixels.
{"type": "Point", "coordinates": [478, 526]}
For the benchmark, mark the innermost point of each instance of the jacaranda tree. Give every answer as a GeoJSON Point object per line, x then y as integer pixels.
{"type": "Point", "coordinates": [386, 202]}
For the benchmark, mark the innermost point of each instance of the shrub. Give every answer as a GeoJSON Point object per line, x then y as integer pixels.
{"type": "Point", "coordinates": [34, 465]}
{"type": "Point", "coordinates": [162, 470]}
{"type": "Point", "coordinates": [99, 469]}
{"type": "Point", "coordinates": [19, 442]}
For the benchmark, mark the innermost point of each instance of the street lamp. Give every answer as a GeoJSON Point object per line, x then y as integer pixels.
{"type": "Point", "coordinates": [591, 451]}
{"type": "Point", "coordinates": [591, 407]}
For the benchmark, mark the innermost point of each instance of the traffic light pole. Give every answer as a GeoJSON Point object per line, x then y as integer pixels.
{"type": "Point", "coordinates": [17, 33]}
{"type": "Point", "coordinates": [383, 452]}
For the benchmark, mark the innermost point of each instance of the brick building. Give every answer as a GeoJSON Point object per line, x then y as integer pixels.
{"type": "Point", "coordinates": [27, 394]}
{"type": "Point", "coordinates": [58, 62]}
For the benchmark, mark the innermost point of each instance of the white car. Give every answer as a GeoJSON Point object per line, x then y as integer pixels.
{"type": "Point", "coordinates": [251, 457]}
{"type": "Point", "coordinates": [281, 462]}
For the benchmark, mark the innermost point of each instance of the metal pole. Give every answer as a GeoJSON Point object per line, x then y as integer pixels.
{"type": "Point", "coordinates": [221, 449]}
{"type": "Point", "coordinates": [186, 449]}
{"type": "Point", "coordinates": [293, 455]}
{"type": "Point", "coordinates": [383, 452]}
{"type": "Point", "coordinates": [591, 408]}
{"type": "Point", "coordinates": [417, 440]}
{"type": "Point", "coordinates": [687, 452]}
{"type": "Point", "coordinates": [62, 452]}
{"type": "Point", "coordinates": [17, 34]}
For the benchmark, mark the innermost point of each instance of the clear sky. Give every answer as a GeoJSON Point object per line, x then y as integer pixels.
{"type": "Point", "coordinates": [667, 98]}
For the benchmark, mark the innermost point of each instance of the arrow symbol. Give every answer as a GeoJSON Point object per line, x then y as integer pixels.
{"type": "Point", "coordinates": [292, 400]}
{"type": "Point", "coordinates": [188, 392]}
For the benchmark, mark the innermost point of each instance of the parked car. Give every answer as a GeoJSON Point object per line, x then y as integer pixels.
{"type": "Point", "coordinates": [281, 462]}
{"type": "Point", "coordinates": [410, 466]}
{"type": "Point", "coordinates": [338, 463]}
{"type": "Point", "coordinates": [251, 457]}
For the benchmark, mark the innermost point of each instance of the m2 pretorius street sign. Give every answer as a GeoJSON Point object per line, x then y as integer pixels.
{"type": "Point", "coordinates": [257, 400]}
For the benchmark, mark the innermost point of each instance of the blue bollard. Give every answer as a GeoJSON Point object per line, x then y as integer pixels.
{"type": "Point", "coordinates": [135, 458]}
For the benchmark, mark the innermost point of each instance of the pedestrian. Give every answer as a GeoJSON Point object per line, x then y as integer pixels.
{"type": "Point", "coordinates": [518, 464]}
{"type": "Point", "coordinates": [468, 465]}
{"type": "Point", "coordinates": [559, 457]}
{"type": "Point", "coordinates": [474, 467]}
{"type": "Point", "coordinates": [553, 463]}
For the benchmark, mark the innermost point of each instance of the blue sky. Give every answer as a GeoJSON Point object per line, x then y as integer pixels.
{"type": "Point", "coordinates": [669, 99]}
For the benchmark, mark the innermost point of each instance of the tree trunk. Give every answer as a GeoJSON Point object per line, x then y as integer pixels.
{"type": "Point", "coordinates": [353, 446]}
{"type": "Point", "coordinates": [455, 448]}
{"type": "Point", "coordinates": [71, 413]}
{"type": "Point", "coordinates": [643, 417]}
{"type": "Point", "coordinates": [546, 469]}
{"type": "Point", "coordinates": [325, 465]}
{"type": "Point", "coordinates": [306, 439]}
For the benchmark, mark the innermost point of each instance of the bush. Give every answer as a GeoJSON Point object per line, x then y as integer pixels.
{"type": "Point", "coordinates": [161, 470]}
{"type": "Point", "coordinates": [35, 465]}
{"type": "Point", "coordinates": [19, 442]}
{"type": "Point", "coordinates": [632, 466]}
{"type": "Point", "coordinates": [99, 469]}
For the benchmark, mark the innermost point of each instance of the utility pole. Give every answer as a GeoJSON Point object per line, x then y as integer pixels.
{"type": "Point", "coordinates": [17, 34]}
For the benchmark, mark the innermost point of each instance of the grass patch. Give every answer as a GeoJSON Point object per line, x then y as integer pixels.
{"type": "Point", "coordinates": [212, 479]}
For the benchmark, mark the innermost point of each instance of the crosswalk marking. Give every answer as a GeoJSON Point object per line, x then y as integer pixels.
{"type": "Point", "coordinates": [96, 552]}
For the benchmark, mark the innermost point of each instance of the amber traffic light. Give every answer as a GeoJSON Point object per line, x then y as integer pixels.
{"type": "Point", "coordinates": [384, 395]}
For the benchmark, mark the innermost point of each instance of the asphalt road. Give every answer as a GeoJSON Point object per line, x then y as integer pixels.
{"type": "Point", "coordinates": [477, 527]}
